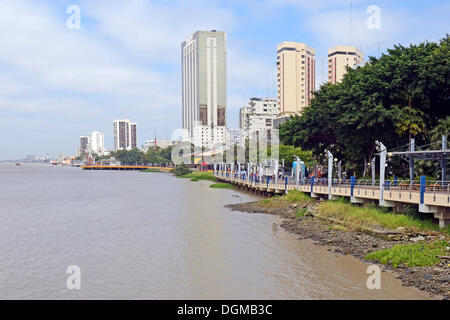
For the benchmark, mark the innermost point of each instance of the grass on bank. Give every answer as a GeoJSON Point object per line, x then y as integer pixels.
{"type": "Point", "coordinates": [296, 196]}
{"type": "Point", "coordinates": [199, 175]}
{"type": "Point", "coordinates": [411, 255]}
{"type": "Point", "coordinates": [151, 170]}
{"type": "Point", "coordinates": [356, 217]}
{"type": "Point", "coordinates": [301, 212]}
{"type": "Point", "coordinates": [293, 196]}
{"type": "Point", "coordinates": [222, 185]}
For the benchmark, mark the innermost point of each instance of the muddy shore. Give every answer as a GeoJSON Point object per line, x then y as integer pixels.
{"type": "Point", "coordinates": [434, 280]}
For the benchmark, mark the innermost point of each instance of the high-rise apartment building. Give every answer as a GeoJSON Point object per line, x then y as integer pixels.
{"type": "Point", "coordinates": [133, 135]}
{"type": "Point", "coordinates": [296, 63]}
{"type": "Point", "coordinates": [97, 141]}
{"type": "Point", "coordinates": [125, 135]}
{"type": "Point", "coordinates": [341, 57]}
{"type": "Point", "coordinates": [84, 144]}
{"type": "Point", "coordinates": [204, 98]}
{"type": "Point", "coordinates": [244, 113]}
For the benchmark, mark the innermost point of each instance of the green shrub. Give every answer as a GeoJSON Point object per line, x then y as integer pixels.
{"type": "Point", "coordinates": [301, 212]}
{"type": "Point", "coordinates": [181, 170]}
{"type": "Point", "coordinates": [411, 255]}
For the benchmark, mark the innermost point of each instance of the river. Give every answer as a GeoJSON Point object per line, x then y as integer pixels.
{"type": "Point", "coordinates": [154, 236]}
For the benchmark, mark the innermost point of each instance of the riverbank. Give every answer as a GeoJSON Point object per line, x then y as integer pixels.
{"type": "Point", "coordinates": [208, 176]}
{"type": "Point", "coordinates": [414, 250]}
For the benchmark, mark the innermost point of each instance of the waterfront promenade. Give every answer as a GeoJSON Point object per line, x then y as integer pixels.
{"type": "Point", "coordinates": [433, 198]}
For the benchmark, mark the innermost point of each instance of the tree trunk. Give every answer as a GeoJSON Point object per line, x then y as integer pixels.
{"type": "Point", "coordinates": [409, 141]}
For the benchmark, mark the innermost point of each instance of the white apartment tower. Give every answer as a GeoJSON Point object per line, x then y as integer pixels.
{"type": "Point", "coordinates": [296, 64]}
{"type": "Point", "coordinates": [97, 140]}
{"type": "Point", "coordinates": [204, 78]}
{"type": "Point", "coordinates": [341, 57]}
{"type": "Point", "coordinates": [125, 135]}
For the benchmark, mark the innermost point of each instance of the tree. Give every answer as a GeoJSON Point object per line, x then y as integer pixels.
{"type": "Point", "coordinates": [410, 120]}
{"type": "Point", "coordinates": [403, 93]}
{"type": "Point", "coordinates": [181, 170]}
{"type": "Point", "coordinates": [442, 128]}
{"type": "Point", "coordinates": [129, 157]}
{"type": "Point", "coordinates": [289, 154]}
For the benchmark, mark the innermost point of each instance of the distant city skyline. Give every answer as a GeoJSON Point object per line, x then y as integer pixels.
{"type": "Point", "coordinates": [57, 84]}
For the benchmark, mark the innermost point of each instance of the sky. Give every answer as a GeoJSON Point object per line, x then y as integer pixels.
{"type": "Point", "coordinates": [58, 83]}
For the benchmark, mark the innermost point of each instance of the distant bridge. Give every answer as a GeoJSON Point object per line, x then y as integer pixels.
{"type": "Point", "coordinates": [95, 167]}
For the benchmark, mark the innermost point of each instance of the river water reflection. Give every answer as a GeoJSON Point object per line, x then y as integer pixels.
{"type": "Point", "coordinates": [153, 236]}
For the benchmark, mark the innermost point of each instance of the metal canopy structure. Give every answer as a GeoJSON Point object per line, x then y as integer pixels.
{"type": "Point", "coordinates": [422, 155]}
{"type": "Point", "coordinates": [441, 155]}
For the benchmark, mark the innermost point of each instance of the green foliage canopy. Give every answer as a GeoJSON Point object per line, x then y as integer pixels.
{"type": "Point", "coordinates": [403, 94]}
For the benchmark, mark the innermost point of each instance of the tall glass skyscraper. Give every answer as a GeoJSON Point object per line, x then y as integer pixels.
{"type": "Point", "coordinates": [204, 87]}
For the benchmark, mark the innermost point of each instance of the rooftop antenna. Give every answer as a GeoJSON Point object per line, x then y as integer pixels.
{"type": "Point", "coordinates": [322, 80]}
{"type": "Point", "coordinates": [155, 141]}
{"type": "Point", "coordinates": [274, 85]}
{"type": "Point", "coordinates": [350, 26]}
{"type": "Point", "coordinates": [165, 124]}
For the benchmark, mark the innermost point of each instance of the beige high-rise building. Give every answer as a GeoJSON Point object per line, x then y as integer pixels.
{"type": "Point", "coordinates": [341, 57]}
{"type": "Point", "coordinates": [296, 77]}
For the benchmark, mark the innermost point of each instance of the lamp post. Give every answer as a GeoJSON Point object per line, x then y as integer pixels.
{"type": "Point", "coordinates": [330, 173]}
{"type": "Point", "coordinates": [383, 152]}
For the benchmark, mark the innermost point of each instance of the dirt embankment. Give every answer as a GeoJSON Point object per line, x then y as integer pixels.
{"type": "Point", "coordinates": [435, 280]}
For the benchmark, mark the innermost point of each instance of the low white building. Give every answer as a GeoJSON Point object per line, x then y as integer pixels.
{"type": "Point", "coordinates": [233, 137]}
{"type": "Point", "coordinates": [204, 136]}
{"type": "Point", "coordinates": [257, 117]}
{"type": "Point", "coordinates": [150, 144]}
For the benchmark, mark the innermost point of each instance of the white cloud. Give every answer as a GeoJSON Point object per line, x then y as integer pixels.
{"type": "Point", "coordinates": [155, 30]}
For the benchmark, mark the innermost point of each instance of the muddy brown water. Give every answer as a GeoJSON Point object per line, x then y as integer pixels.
{"type": "Point", "coordinates": [153, 236]}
